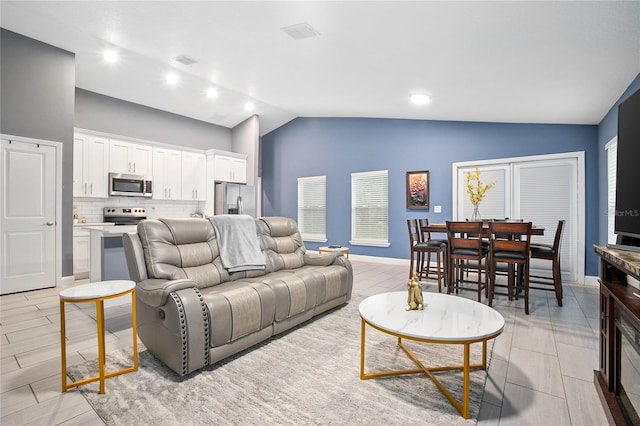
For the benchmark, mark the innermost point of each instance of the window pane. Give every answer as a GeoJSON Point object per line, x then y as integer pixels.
{"type": "Point", "coordinates": [370, 212]}
{"type": "Point", "coordinates": [312, 207]}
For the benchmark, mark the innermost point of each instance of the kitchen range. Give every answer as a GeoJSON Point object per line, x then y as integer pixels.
{"type": "Point", "coordinates": [124, 215]}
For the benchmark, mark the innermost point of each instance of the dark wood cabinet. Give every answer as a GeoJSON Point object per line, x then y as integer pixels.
{"type": "Point", "coordinates": [619, 318]}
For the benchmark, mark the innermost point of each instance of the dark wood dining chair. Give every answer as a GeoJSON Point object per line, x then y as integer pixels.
{"type": "Point", "coordinates": [552, 253]}
{"type": "Point", "coordinates": [509, 243]}
{"type": "Point", "coordinates": [419, 249]}
{"type": "Point", "coordinates": [439, 247]}
{"type": "Point", "coordinates": [464, 244]}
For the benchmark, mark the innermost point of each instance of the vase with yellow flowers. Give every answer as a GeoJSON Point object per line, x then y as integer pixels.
{"type": "Point", "coordinates": [476, 191]}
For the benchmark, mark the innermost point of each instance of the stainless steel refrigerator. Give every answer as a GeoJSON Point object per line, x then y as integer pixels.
{"type": "Point", "coordinates": [234, 198]}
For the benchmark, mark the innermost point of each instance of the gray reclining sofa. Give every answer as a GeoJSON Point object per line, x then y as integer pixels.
{"type": "Point", "coordinates": [192, 312]}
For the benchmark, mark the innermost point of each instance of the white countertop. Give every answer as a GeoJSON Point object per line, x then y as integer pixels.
{"type": "Point", "coordinates": [112, 230]}
{"type": "Point", "coordinates": [445, 318]}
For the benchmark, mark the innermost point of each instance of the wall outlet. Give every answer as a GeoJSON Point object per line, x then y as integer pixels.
{"type": "Point", "coordinates": [437, 209]}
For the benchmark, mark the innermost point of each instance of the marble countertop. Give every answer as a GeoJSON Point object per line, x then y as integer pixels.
{"type": "Point", "coordinates": [627, 260]}
{"type": "Point", "coordinates": [112, 230]}
{"type": "Point", "coordinates": [445, 318]}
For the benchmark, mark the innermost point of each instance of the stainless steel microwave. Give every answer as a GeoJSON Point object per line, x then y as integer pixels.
{"type": "Point", "coordinates": [125, 185]}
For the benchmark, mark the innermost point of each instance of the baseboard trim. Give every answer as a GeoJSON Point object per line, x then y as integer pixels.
{"type": "Point", "coordinates": [67, 281]}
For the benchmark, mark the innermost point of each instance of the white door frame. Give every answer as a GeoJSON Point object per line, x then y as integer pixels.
{"type": "Point", "coordinates": [581, 194]}
{"type": "Point", "coordinates": [58, 196]}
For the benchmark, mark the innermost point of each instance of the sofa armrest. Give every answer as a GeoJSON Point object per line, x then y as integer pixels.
{"type": "Point", "coordinates": [321, 259]}
{"type": "Point", "coordinates": [135, 256]}
{"type": "Point", "coordinates": [154, 292]}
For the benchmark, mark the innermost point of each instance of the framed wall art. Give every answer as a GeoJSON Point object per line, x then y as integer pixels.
{"type": "Point", "coordinates": [418, 190]}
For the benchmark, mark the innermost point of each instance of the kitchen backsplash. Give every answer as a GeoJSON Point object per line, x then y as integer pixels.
{"type": "Point", "coordinates": [91, 209]}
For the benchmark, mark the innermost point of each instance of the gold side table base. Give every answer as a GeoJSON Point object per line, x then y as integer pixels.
{"type": "Point", "coordinates": [101, 343]}
{"type": "Point", "coordinates": [462, 407]}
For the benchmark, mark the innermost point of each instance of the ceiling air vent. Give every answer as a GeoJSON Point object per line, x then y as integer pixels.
{"type": "Point", "coordinates": [300, 31]}
{"type": "Point", "coordinates": [184, 60]}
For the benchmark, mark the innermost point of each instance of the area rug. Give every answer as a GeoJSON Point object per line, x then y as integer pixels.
{"type": "Point", "coordinates": [306, 376]}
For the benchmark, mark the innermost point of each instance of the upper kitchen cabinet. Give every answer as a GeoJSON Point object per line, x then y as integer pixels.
{"type": "Point", "coordinates": [167, 174]}
{"type": "Point", "coordinates": [230, 168]}
{"type": "Point", "coordinates": [90, 166]}
{"type": "Point", "coordinates": [130, 158]}
{"type": "Point", "coordinates": [194, 176]}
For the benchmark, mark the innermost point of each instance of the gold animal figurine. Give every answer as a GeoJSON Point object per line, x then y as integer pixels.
{"type": "Point", "coordinates": [414, 300]}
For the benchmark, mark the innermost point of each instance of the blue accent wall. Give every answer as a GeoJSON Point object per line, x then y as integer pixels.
{"type": "Point", "coordinates": [337, 147]}
{"type": "Point", "coordinates": [607, 130]}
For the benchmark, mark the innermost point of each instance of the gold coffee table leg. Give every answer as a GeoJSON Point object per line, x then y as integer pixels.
{"type": "Point", "coordinates": [466, 367]}
{"type": "Point", "coordinates": [63, 346]}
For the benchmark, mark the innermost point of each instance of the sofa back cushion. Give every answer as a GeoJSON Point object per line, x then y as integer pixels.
{"type": "Point", "coordinates": [182, 248]}
{"type": "Point", "coordinates": [281, 243]}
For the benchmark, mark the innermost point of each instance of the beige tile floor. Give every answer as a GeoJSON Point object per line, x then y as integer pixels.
{"type": "Point", "coordinates": [541, 371]}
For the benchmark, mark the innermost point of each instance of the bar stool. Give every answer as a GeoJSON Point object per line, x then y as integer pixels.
{"type": "Point", "coordinates": [464, 244]}
{"type": "Point", "coordinates": [419, 248]}
{"type": "Point", "coordinates": [552, 253]}
{"type": "Point", "coordinates": [439, 248]}
{"type": "Point", "coordinates": [509, 244]}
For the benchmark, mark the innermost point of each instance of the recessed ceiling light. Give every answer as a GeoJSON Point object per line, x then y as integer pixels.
{"type": "Point", "coordinates": [110, 55]}
{"type": "Point", "coordinates": [249, 106]}
{"type": "Point", "coordinates": [212, 92]}
{"type": "Point", "coordinates": [419, 99]}
{"type": "Point", "coordinates": [172, 78]}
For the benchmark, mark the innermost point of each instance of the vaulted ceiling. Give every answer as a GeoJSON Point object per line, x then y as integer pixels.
{"type": "Point", "coordinates": [520, 61]}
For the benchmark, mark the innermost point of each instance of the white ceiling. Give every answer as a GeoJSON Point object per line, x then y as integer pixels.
{"type": "Point", "coordinates": [534, 62]}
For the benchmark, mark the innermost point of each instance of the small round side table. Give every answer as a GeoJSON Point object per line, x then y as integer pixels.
{"type": "Point", "coordinates": [344, 250]}
{"type": "Point", "coordinates": [97, 292]}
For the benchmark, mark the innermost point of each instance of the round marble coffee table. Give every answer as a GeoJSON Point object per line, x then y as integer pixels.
{"type": "Point", "coordinates": [445, 319]}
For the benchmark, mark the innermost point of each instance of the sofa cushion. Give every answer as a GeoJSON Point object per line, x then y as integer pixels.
{"type": "Point", "coordinates": [238, 308]}
{"type": "Point", "coordinates": [294, 295]}
{"type": "Point", "coordinates": [182, 248]}
{"type": "Point", "coordinates": [281, 242]}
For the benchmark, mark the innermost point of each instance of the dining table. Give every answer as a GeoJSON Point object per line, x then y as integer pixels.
{"type": "Point", "coordinates": [442, 228]}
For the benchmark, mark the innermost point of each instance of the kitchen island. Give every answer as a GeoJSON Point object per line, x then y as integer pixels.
{"type": "Point", "coordinates": [108, 261]}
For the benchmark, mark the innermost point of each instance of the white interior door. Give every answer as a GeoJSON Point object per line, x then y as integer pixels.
{"type": "Point", "coordinates": [28, 216]}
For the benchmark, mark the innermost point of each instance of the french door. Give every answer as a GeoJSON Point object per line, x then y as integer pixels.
{"type": "Point", "coordinates": [541, 189]}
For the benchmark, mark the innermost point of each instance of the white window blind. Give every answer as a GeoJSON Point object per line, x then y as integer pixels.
{"type": "Point", "coordinates": [546, 193]}
{"type": "Point", "coordinates": [612, 166]}
{"type": "Point", "coordinates": [312, 207]}
{"type": "Point", "coordinates": [370, 208]}
{"type": "Point", "coordinates": [495, 203]}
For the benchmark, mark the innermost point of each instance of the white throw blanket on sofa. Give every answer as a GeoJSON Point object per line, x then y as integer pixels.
{"type": "Point", "coordinates": [238, 242]}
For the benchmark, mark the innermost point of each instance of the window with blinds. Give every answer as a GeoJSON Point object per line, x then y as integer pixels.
{"type": "Point", "coordinates": [370, 208]}
{"type": "Point", "coordinates": [612, 165]}
{"type": "Point", "coordinates": [312, 208]}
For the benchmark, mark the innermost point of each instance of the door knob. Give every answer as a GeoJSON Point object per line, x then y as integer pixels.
{"type": "Point", "coordinates": [49, 223]}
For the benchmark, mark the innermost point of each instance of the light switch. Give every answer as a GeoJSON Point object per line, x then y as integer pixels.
{"type": "Point", "coordinates": [437, 209]}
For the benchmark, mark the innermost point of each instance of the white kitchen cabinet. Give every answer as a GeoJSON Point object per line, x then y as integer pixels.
{"type": "Point", "coordinates": [81, 253]}
{"type": "Point", "coordinates": [167, 174]}
{"type": "Point", "coordinates": [130, 158]}
{"type": "Point", "coordinates": [90, 166]}
{"type": "Point", "coordinates": [194, 176]}
{"type": "Point", "coordinates": [229, 169]}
